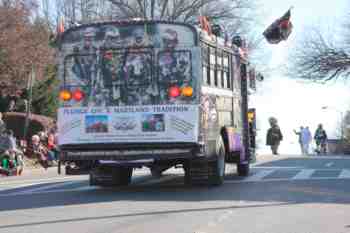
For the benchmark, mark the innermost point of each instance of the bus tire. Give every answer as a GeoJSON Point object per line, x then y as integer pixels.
{"type": "Point", "coordinates": [196, 172]}
{"type": "Point", "coordinates": [216, 168]}
{"type": "Point", "coordinates": [121, 176]}
{"type": "Point", "coordinates": [68, 170]}
{"type": "Point", "coordinates": [243, 169]}
{"type": "Point", "coordinates": [92, 180]}
{"type": "Point", "coordinates": [156, 172]}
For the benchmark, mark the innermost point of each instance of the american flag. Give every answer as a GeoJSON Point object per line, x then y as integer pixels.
{"type": "Point", "coordinates": [280, 29]}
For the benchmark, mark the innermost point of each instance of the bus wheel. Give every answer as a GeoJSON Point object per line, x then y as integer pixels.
{"type": "Point", "coordinates": [216, 169]}
{"type": "Point", "coordinates": [196, 172]}
{"type": "Point", "coordinates": [92, 180]}
{"type": "Point", "coordinates": [156, 172]}
{"type": "Point", "coordinates": [121, 176]}
{"type": "Point", "coordinates": [243, 169]}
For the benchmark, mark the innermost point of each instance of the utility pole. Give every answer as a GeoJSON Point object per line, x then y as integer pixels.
{"type": "Point", "coordinates": [31, 81]}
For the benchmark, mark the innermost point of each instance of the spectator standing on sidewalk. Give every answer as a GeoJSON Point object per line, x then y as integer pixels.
{"type": "Point", "coordinates": [12, 105]}
{"type": "Point", "coordinates": [306, 138]}
{"type": "Point", "coordinates": [321, 140]}
{"type": "Point", "coordinates": [2, 125]}
{"type": "Point", "coordinates": [39, 150]}
{"type": "Point", "coordinates": [299, 133]}
{"type": "Point", "coordinates": [52, 147]}
{"type": "Point", "coordinates": [274, 136]}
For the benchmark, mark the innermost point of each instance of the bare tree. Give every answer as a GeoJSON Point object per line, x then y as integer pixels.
{"type": "Point", "coordinates": [82, 11]}
{"type": "Point", "coordinates": [235, 16]}
{"type": "Point", "coordinates": [23, 43]}
{"type": "Point", "coordinates": [323, 53]}
{"type": "Point", "coordinates": [318, 58]}
{"type": "Point", "coordinates": [231, 13]}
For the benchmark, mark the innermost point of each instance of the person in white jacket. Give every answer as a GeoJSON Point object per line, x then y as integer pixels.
{"type": "Point", "coordinates": [299, 133]}
{"type": "Point", "coordinates": [306, 138]}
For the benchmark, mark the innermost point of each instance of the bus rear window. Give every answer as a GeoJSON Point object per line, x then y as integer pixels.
{"type": "Point", "coordinates": [113, 68]}
{"type": "Point", "coordinates": [175, 67]}
{"type": "Point", "coordinates": [126, 68]}
{"type": "Point", "coordinates": [174, 70]}
{"type": "Point", "coordinates": [116, 77]}
{"type": "Point", "coordinates": [80, 69]}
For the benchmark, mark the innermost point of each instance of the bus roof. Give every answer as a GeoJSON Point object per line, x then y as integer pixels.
{"type": "Point", "coordinates": [197, 31]}
{"type": "Point", "coordinates": [135, 22]}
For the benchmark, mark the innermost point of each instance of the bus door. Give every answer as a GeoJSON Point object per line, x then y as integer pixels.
{"type": "Point", "coordinates": [252, 130]}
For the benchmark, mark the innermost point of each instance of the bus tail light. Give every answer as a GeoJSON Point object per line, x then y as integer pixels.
{"type": "Point", "coordinates": [65, 95]}
{"type": "Point", "coordinates": [187, 91]}
{"type": "Point", "coordinates": [78, 95]}
{"type": "Point", "coordinates": [174, 91]}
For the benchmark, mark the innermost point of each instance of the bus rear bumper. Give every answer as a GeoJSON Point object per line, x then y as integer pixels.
{"type": "Point", "coordinates": [159, 153]}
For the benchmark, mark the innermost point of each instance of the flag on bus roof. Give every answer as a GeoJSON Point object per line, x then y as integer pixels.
{"type": "Point", "coordinates": [60, 27]}
{"type": "Point", "coordinates": [205, 24]}
{"type": "Point", "coordinates": [279, 30]}
{"type": "Point", "coordinates": [55, 38]}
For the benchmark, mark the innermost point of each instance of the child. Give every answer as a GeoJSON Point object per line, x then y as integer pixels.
{"type": "Point", "coordinates": [4, 168]}
{"type": "Point", "coordinates": [20, 164]}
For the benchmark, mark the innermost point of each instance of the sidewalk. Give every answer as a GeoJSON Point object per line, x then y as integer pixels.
{"type": "Point", "coordinates": [31, 168]}
{"type": "Point", "coordinates": [29, 174]}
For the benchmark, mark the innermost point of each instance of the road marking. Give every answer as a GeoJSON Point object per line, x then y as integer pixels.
{"type": "Point", "coordinates": [263, 167]}
{"type": "Point", "coordinates": [329, 164]}
{"type": "Point", "coordinates": [282, 179]}
{"type": "Point", "coordinates": [304, 174]}
{"type": "Point", "coordinates": [259, 175]}
{"type": "Point", "coordinates": [48, 191]}
{"type": "Point", "coordinates": [34, 190]}
{"type": "Point", "coordinates": [345, 174]}
{"type": "Point", "coordinates": [327, 157]}
{"type": "Point", "coordinates": [44, 190]}
{"type": "Point", "coordinates": [18, 186]}
{"type": "Point", "coordinates": [47, 180]}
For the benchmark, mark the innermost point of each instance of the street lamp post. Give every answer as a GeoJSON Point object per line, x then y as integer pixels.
{"type": "Point", "coordinates": [341, 120]}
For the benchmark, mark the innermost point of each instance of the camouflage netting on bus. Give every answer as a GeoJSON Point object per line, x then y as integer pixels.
{"type": "Point", "coordinates": [128, 65]}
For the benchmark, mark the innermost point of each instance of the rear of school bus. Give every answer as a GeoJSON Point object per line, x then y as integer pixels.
{"type": "Point", "coordinates": [129, 98]}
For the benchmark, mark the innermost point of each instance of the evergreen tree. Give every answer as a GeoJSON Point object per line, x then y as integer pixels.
{"type": "Point", "coordinates": [45, 94]}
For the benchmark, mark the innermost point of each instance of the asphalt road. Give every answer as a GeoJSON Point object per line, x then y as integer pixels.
{"type": "Point", "coordinates": [289, 194]}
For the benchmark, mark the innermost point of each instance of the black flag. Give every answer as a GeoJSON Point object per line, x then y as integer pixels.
{"type": "Point", "coordinates": [279, 30]}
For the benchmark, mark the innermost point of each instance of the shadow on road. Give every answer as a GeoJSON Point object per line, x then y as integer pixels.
{"type": "Point", "coordinates": [288, 192]}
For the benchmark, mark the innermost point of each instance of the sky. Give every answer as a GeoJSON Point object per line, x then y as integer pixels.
{"type": "Point", "coordinates": [296, 102]}
{"type": "Point", "coordinates": [293, 102]}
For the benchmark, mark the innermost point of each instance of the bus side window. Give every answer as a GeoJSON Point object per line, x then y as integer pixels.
{"type": "Point", "coordinates": [219, 69]}
{"type": "Point", "coordinates": [213, 77]}
{"type": "Point", "coordinates": [235, 74]}
{"type": "Point", "coordinates": [205, 67]}
{"type": "Point", "coordinates": [208, 75]}
{"type": "Point", "coordinates": [226, 70]}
